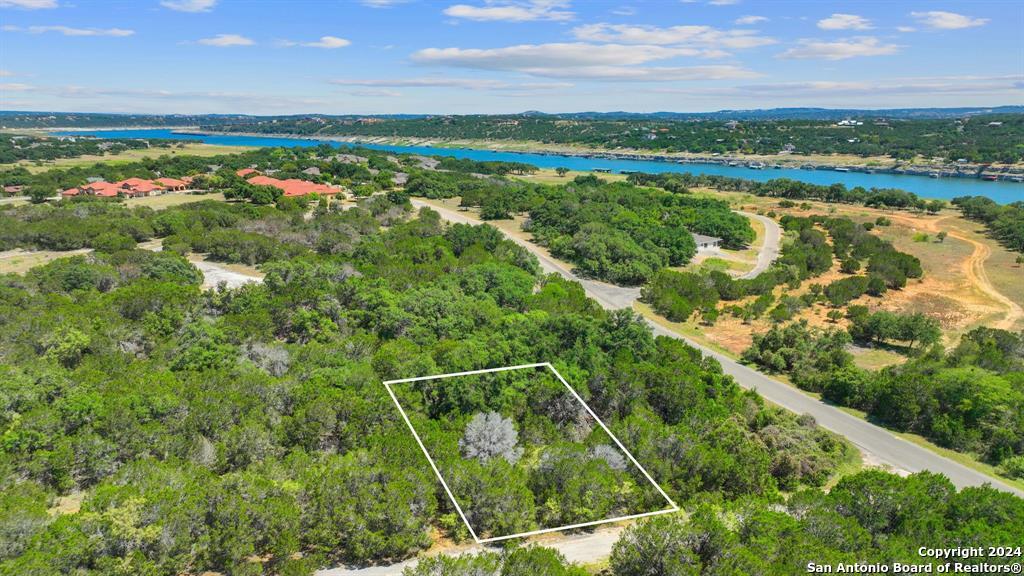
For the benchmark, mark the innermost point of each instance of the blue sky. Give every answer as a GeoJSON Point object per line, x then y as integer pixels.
{"type": "Point", "coordinates": [497, 56]}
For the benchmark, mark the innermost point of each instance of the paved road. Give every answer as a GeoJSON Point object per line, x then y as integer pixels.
{"type": "Point", "coordinates": [772, 239]}
{"type": "Point", "coordinates": [878, 442]}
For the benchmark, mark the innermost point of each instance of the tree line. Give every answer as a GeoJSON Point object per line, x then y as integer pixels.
{"type": "Point", "coordinates": [981, 138]}
{"type": "Point", "coordinates": [868, 518]}
{"type": "Point", "coordinates": [1004, 223]}
{"type": "Point", "coordinates": [15, 148]}
{"type": "Point", "coordinates": [968, 399]}
{"type": "Point", "coordinates": [789, 189]}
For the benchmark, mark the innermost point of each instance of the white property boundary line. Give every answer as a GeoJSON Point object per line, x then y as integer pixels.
{"type": "Point", "coordinates": [387, 384]}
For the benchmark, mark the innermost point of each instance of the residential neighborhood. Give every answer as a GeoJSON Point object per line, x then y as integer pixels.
{"type": "Point", "coordinates": [140, 187]}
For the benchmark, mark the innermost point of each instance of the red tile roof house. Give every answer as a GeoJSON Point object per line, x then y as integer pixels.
{"type": "Point", "coordinates": [103, 189]}
{"type": "Point", "coordinates": [246, 171]}
{"type": "Point", "coordinates": [137, 187]}
{"type": "Point", "coordinates": [293, 187]}
{"type": "Point", "coordinates": [172, 184]}
{"type": "Point", "coordinates": [132, 187]}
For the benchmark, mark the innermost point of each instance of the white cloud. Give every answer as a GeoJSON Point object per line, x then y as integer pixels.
{"type": "Point", "coordinates": [15, 87]}
{"type": "Point", "coordinates": [328, 42]}
{"type": "Point", "coordinates": [748, 20]}
{"type": "Point", "coordinates": [845, 22]}
{"type": "Point", "coordinates": [614, 62]}
{"type": "Point", "coordinates": [382, 3]}
{"type": "Point", "coordinates": [624, 11]}
{"type": "Point", "coordinates": [840, 49]}
{"type": "Point", "coordinates": [512, 11]}
{"type": "Point", "coordinates": [226, 40]}
{"type": "Point", "coordinates": [28, 4]}
{"type": "Point", "coordinates": [189, 5]}
{"type": "Point", "coordinates": [906, 29]}
{"type": "Point", "coordinates": [6, 73]}
{"type": "Point", "coordinates": [261, 99]}
{"type": "Point", "coordinates": [723, 2]}
{"type": "Point", "coordinates": [939, 20]}
{"type": "Point", "coordinates": [652, 74]}
{"type": "Point", "coordinates": [558, 55]}
{"type": "Point", "coordinates": [441, 82]}
{"type": "Point", "coordinates": [702, 36]}
{"type": "Point", "coordinates": [377, 93]}
{"type": "Point", "coordinates": [891, 86]}
{"type": "Point", "coordinates": [68, 31]}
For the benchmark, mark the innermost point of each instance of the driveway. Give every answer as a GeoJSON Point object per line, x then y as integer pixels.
{"type": "Point", "coordinates": [772, 241]}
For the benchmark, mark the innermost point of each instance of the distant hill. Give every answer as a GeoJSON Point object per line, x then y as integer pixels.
{"type": "Point", "coordinates": [793, 114]}
{"type": "Point", "coordinates": [16, 119]}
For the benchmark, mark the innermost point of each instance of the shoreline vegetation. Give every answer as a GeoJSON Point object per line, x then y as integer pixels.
{"type": "Point", "coordinates": [844, 163]}
{"type": "Point", "coordinates": [841, 163]}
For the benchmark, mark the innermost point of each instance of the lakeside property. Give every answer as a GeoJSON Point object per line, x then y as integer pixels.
{"type": "Point", "coordinates": [1003, 192]}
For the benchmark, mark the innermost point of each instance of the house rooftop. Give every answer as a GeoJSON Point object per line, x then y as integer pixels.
{"type": "Point", "coordinates": [294, 187]}
{"type": "Point", "coordinates": [702, 239]}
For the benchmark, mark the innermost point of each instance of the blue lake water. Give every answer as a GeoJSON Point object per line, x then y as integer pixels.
{"type": "Point", "coordinates": [944, 188]}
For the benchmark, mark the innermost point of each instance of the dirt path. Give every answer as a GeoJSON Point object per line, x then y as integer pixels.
{"type": "Point", "coordinates": [580, 548]}
{"type": "Point", "coordinates": [974, 269]}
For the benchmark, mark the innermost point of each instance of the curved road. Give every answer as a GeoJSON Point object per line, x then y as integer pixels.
{"type": "Point", "coordinates": [880, 443]}
{"type": "Point", "coordinates": [877, 441]}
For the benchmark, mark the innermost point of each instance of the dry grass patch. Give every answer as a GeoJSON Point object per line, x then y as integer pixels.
{"type": "Point", "coordinates": [549, 176]}
{"type": "Point", "coordinates": [167, 200]}
{"type": "Point", "coordinates": [20, 261]}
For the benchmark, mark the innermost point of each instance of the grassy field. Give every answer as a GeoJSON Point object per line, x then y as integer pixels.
{"type": "Point", "coordinates": [168, 200]}
{"type": "Point", "coordinates": [549, 176]}
{"type": "Point", "coordinates": [876, 358]}
{"type": "Point", "coordinates": [191, 149]}
{"type": "Point", "coordinates": [19, 261]}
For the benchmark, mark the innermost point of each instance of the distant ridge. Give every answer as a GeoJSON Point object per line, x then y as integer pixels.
{"type": "Point", "coordinates": [795, 113]}
{"type": "Point", "coordinates": [19, 119]}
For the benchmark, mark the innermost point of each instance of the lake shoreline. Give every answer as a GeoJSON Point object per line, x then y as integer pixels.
{"type": "Point", "coordinates": [616, 162]}
{"type": "Point", "coordinates": [755, 162]}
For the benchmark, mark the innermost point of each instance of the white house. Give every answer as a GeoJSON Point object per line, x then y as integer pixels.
{"type": "Point", "coordinates": [706, 242]}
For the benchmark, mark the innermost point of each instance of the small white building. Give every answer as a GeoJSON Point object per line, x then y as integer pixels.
{"type": "Point", "coordinates": [706, 242]}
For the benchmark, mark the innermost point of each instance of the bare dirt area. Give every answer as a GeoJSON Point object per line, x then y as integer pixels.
{"type": "Point", "coordinates": [969, 279]}
{"type": "Point", "coordinates": [232, 275]}
{"type": "Point", "coordinates": [997, 309]}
